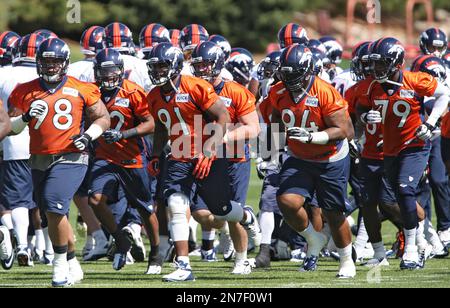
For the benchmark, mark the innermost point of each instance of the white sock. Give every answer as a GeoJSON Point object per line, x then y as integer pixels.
{"type": "Point", "coordinates": [345, 253]}
{"type": "Point", "coordinates": [31, 242]}
{"type": "Point", "coordinates": [193, 224]}
{"type": "Point", "coordinates": [209, 235]}
{"type": "Point", "coordinates": [267, 223]}
{"type": "Point", "coordinates": [380, 251]}
{"type": "Point", "coordinates": [225, 228]}
{"type": "Point", "coordinates": [361, 238]}
{"type": "Point", "coordinates": [60, 259]}
{"type": "Point", "coordinates": [99, 236]}
{"type": "Point", "coordinates": [410, 237]}
{"type": "Point", "coordinates": [40, 241]}
{"type": "Point", "coordinates": [21, 222]}
{"type": "Point", "coordinates": [183, 259]}
{"type": "Point", "coordinates": [48, 242]}
{"type": "Point", "coordinates": [7, 221]}
{"type": "Point", "coordinates": [241, 257]}
{"type": "Point", "coordinates": [309, 234]}
{"type": "Point", "coordinates": [420, 237]}
{"type": "Point", "coordinates": [431, 234]}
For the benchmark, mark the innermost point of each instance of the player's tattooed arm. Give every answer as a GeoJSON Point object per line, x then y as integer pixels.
{"type": "Point", "coordinates": [99, 117]}
{"type": "Point", "coordinates": [338, 126]}
{"type": "Point", "coordinates": [5, 123]}
{"type": "Point", "coordinates": [160, 138]}
{"type": "Point", "coordinates": [219, 113]}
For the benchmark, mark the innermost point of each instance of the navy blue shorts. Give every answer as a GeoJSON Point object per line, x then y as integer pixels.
{"type": "Point", "coordinates": [160, 179]}
{"type": "Point", "coordinates": [113, 181]}
{"type": "Point", "coordinates": [83, 191]}
{"type": "Point", "coordinates": [268, 201]}
{"type": "Point", "coordinates": [445, 150]}
{"type": "Point", "coordinates": [214, 190]}
{"type": "Point", "coordinates": [375, 188]}
{"type": "Point", "coordinates": [239, 174]}
{"type": "Point", "coordinates": [17, 185]}
{"type": "Point", "coordinates": [406, 168]}
{"type": "Point", "coordinates": [327, 180]}
{"type": "Point", "coordinates": [54, 188]}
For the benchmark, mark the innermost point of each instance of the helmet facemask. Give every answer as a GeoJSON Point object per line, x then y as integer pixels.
{"type": "Point", "coordinates": [160, 72]}
{"type": "Point", "coordinates": [109, 77]}
{"type": "Point", "coordinates": [205, 69]}
{"type": "Point", "coordinates": [295, 80]}
{"type": "Point", "coordinates": [52, 69]}
{"type": "Point", "coordinates": [382, 68]}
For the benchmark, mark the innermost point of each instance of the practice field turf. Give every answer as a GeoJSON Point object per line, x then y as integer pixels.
{"type": "Point", "coordinates": [216, 275]}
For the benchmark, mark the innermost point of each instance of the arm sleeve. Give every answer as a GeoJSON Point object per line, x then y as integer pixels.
{"type": "Point", "coordinates": [91, 94]}
{"type": "Point", "coordinates": [331, 101]}
{"type": "Point", "coordinates": [425, 84]}
{"type": "Point", "coordinates": [442, 95]}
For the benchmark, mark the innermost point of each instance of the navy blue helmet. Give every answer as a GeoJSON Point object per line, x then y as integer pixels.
{"type": "Point", "coordinates": [165, 63]}
{"type": "Point", "coordinates": [446, 59]}
{"type": "Point", "coordinates": [386, 57]}
{"type": "Point", "coordinates": [432, 65]}
{"type": "Point", "coordinates": [91, 40]}
{"type": "Point", "coordinates": [223, 43]}
{"type": "Point", "coordinates": [317, 44]}
{"type": "Point", "coordinates": [292, 34]}
{"type": "Point", "coordinates": [119, 37]}
{"type": "Point", "coordinates": [240, 65]}
{"type": "Point", "coordinates": [269, 65]}
{"type": "Point", "coordinates": [360, 64]}
{"type": "Point", "coordinates": [207, 61]}
{"type": "Point", "coordinates": [334, 49]}
{"type": "Point", "coordinates": [27, 48]}
{"type": "Point", "coordinates": [108, 69]}
{"type": "Point", "coordinates": [433, 41]}
{"type": "Point", "coordinates": [296, 67]}
{"type": "Point", "coordinates": [192, 35]}
{"type": "Point", "coordinates": [9, 41]}
{"type": "Point", "coordinates": [319, 59]}
{"type": "Point", "coordinates": [46, 33]}
{"type": "Point", "coordinates": [52, 59]}
{"type": "Point", "coordinates": [152, 35]}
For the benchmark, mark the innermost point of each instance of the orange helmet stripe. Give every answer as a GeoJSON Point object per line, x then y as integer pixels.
{"type": "Point", "coordinates": [288, 34]}
{"type": "Point", "coordinates": [195, 34]}
{"type": "Point", "coordinates": [87, 36]}
{"type": "Point", "coordinates": [148, 40]}
{"type": "Point", "coordinates": [31, 47]}
{"type": "Point", "coordinates": [117, 40]}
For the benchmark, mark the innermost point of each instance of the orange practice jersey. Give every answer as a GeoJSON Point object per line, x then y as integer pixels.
{"type": "Point", "coordinates": [125, 109]}
{"type": "Point", "coordinates": [356, 96]}
{"type": "Point", "coordinates": [239, 102]}
{"type": "Point", "coordinates": [322, 100]}
{"type": "Point", "coordinates": [401, 110]}
{"type": "Point", "coordinates": [445, 126]}
{"type": "Point", "coordinates": [64, 116]}
{"type": "Point", "coordinates": [178, 111]}
{"type": "Point", "coordinates": [265, 110]}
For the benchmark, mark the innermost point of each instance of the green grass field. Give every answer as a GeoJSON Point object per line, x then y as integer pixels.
{"type": "Point", "coordinates": [216, 275]}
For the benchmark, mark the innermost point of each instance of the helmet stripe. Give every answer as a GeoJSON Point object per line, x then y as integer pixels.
{"type": "Point", "coordinates": [148, 39]}
{"type": "Point", "coordinates": [2, 36]}
{"type": "Point", "coordinates": [288, 34]}
{"type": "Point", "coordinates": [88, 36]}
{"type": "Point", "coordinates": [195, 34]}
{"type": "Point", "coordinates": [117, 40]}
{"type": "Point", "coordinates": [31, 47]}
{"type": "Point", "coordinates": [289, 52]}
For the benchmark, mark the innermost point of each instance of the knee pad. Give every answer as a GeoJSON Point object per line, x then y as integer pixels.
{"type": "Point", "coordinates": [408, 206]}
{"type": "Point", "coordinates": [235, 215]}
{"type": "Point", "coordinates": [178, 205]}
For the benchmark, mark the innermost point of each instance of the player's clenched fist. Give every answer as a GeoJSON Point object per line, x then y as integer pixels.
{"type": "Point", "coordinates": [36, 110]}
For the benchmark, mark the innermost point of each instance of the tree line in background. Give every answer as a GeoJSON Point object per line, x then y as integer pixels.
{"type": "Point", "coordinates": [249, 23]}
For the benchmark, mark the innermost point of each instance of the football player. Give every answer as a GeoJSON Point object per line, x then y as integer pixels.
{"type": "Point", "coordinates": [393, 99]}
{"type": "Point", "coordinates": [120, 161]}
{"type": "Point", "coordinates": [190, 36]}
{"type": "Point", "coordinates": [178, 104]}
{"type": "Point", "coordinates": [315, 116]}
{"type": "Point", "coordinates": [207, 62]}
{"type": "Point", "coordinates": [53, 107]}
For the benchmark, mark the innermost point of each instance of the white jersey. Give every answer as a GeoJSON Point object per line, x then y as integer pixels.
{"type": "Point", "coordinates": [226, 75]}
{"type": "Point", "coordinates": [254, 72]}
{"type": "Point", "coordinates": [343, 82]}
{"type": "Point", "coordinates": [82, 70]}
{"type": "Point", "coordinates": [186, 69]}
{"type": "Point", "coordinates": [137, 72]}
{"type": "Point", "coordinates": [16, 147]}
{"type": "Point", "coordinates": [324, 76]}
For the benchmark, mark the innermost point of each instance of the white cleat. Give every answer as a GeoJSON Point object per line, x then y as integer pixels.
{"type": "Point", "coordinates": [75, 270]}
{"type": "Point", "coordinates": [444, 236]}
{"type": "Point", "coordinates": [61, 276]}
{"type": "Point", "coordinates": [137, 244]}
{"type": "Point", "coordinates": [376, 262]}
{"type": "Point", "coordinates": [24, 258]}
{"type": "Point", "coordinates": [182, 273]}
{"type": "Point", "coordinates": [347, 270]}
{"type": "Point", "coordinates": [6, 249]}
{"type": "Point", "coordinates": [227, 246]}
{"type": "Point", "coordinates": [154, 269]}
{"type": "Point", "coordinates": [242, 268]}
{"type": "Point", "coordinates": [99, 251]}
{"type": "Point", "coordinates": [253, 229]}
